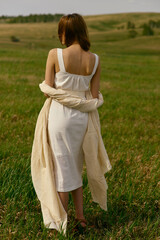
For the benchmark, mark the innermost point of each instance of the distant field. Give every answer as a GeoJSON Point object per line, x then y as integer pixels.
{"type": "Point", "coordinates": [130, 125]}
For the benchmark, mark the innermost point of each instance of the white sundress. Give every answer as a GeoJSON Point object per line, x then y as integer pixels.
{"type": "Point", "coordinates": [66, 129]}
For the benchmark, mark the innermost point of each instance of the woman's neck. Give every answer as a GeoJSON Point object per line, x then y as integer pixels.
{"type": "Point", "coordinates": [75, 43]}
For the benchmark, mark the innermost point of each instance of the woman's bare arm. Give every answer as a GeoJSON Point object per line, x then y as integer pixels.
{"type": "Point", "coordinates": [95, 82]}
{"type": "Point", "coordinates": [50, 69]}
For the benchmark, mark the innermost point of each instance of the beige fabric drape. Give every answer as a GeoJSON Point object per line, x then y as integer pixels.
{"type": "Point", "coordinates": [95, 156]}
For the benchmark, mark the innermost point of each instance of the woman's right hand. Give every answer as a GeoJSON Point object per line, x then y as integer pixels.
{"type": "Point", "coordinates": [46, 95]}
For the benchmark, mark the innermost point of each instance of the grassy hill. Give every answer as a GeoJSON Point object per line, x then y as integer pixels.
{"type": "Point", "coordinates": [104, 28]}
{"type": "Point", "coordinates": [130, 122]}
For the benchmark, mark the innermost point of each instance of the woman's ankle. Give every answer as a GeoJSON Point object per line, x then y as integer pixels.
{"type": "Point", "coordinates": [82, 221]}
{"type": "Point", "coordinates": [80, 216]}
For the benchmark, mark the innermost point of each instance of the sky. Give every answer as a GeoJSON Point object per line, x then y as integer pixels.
{"type": "Point", "coordinates": [84, 7]}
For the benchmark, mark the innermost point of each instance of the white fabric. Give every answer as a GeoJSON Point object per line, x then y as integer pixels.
{"type": "Point", "coordinates": [69, 81]}
{"type": "Point", "coordinates": [66, 130]}
{"type": "Point", "coordinates": [42, 158]}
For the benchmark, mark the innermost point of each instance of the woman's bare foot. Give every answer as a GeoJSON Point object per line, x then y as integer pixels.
{"type": "Point", "coordinates": [82, 222]}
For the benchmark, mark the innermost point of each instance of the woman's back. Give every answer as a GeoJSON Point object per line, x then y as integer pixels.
{"type": "Point", "coordinates": [78, 61]}
{"type": "Point", "coordinates": [75, 69]}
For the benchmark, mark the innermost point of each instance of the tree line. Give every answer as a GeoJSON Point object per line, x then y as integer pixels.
{"type": "Point", "coordinates": [151, 24]}
{"type": "Point", "coordinates": [147, 28]}
{"type": "Point", "coordinates": [31, 18]}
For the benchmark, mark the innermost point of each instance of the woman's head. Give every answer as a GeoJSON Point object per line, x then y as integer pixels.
{"type": "Point", "coordinates": [73, 28]}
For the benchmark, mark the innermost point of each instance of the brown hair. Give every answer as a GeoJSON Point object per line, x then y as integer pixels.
{"type": "Point", "coordinates": [75, 29]}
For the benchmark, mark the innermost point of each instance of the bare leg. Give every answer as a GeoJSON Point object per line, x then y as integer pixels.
{"type": "Point", "coordinates": [77, 195]}
{"type": "Point", "coordinates": [64, 199]}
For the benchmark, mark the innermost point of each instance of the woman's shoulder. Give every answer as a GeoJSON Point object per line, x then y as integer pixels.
{"type": "Point", "coordinates": [93, 54]}
{"type": "Point", "coordinates": [52, 51]}
{"type": "Point", "coordinates": [52, 56]}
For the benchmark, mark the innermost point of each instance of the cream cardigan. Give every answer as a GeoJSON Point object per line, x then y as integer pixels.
{"type": "Point", "coordinates": [95, 156]}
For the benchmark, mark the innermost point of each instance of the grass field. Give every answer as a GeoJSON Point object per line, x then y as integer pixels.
{"type": "Point", "coordinates": [130, 126]}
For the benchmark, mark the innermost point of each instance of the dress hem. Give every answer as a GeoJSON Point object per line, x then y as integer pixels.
{"type": "Point", "coordinates": [70, 189]}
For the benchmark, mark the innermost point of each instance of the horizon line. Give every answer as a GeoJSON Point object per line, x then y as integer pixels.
{"type": "Point", "coordinates": [86, 15]}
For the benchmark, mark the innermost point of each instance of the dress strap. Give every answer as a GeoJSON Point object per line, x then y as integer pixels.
{"type": "Point", "coordinates": [60, 59]}
{"type": "Point", "coordinates": [96, 64]}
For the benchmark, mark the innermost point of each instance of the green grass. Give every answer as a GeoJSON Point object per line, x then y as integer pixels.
{"type": "Point", "coordinates": [130, 124]}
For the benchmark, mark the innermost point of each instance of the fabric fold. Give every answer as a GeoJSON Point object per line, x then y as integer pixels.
{"type": "Point", "coordinates": [95, 156]}
{"type": "Point", "coordinates": [69, 99]}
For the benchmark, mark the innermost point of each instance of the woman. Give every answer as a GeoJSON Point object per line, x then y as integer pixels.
{"type": "Point", "coordinates": [73, 69]}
